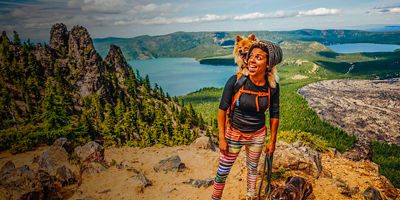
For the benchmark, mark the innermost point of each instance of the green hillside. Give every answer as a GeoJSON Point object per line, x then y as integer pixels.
{"type": "Point", "coordinates": [207, 44]}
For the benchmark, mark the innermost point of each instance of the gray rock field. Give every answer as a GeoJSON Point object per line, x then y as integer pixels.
{"type": "Point", "coordinates": [369, 109]}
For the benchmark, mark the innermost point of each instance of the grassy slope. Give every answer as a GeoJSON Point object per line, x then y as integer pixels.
{"type": "Point", "coordinates": [295, 113]}
{"type": "Point", "coordinates": [201, 44]}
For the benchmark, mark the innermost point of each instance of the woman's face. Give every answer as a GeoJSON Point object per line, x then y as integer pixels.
{"type": "Point", "coordinates": [257, 62]}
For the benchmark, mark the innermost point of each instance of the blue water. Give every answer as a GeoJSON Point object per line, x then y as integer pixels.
{"type": "Point", "coordinates": [363, 47]}
{"type": "Point", "coordinates": [180, 76]}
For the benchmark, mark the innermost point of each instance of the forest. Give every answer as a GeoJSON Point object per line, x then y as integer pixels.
{"type": "Point", "coordinates": [41, 100]}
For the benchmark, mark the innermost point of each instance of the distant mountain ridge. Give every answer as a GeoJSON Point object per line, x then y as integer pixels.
{"type": "Point", "coordinates": [208, 44]}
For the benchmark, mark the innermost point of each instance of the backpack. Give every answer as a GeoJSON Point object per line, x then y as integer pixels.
{"type": "Point", "coordinates": [238, 90]}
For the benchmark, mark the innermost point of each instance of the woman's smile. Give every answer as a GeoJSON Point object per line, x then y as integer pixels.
{"type": "Point", "coordinates": [257, 62]}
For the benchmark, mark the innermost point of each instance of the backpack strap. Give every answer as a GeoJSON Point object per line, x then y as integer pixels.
{"type": "Point", "coordinates": [238, 90]}
{"type": "Point", "coordinates": [239, 82]}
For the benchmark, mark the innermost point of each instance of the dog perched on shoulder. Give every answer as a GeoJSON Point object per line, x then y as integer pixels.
{"type": "Point", "coordinates": [295, 188]}
{"type": "Point", "coordinates": [242, 46]}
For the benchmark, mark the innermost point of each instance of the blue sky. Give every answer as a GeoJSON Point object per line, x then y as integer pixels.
{"type": "Point", "coordinates": [127, 18]}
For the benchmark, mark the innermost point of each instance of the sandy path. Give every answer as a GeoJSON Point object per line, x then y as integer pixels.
{"type": "Point", "coordinates": [116, 183]}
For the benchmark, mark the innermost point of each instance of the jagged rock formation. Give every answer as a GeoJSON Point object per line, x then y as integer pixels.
{"type": "Point", "coordinates": [116, 58]}
{"type": "Point", "coordinates": [72, 56]}
{"type": "Point", "coordinates": [66, 89]}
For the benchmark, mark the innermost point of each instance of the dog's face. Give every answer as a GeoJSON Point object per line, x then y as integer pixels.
{"type": "Point", "coordinates": [283, 193]}
{"type": "Point", "coordinates": [241, 48]}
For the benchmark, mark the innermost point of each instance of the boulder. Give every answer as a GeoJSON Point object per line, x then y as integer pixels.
{"type": "Point", "coordinates": [65, 144]}
{"type": "Point", "coordinates": [199, 182]}
{"type": "Point", "coordinates": [65, 176]}
{"type": "Point", "coordinates": [9, 165]}
{"type": "Point", "coordinates": [23, 183]}
{"type": "Point", "coordinates": [172, 163]}
{"type": "Point", "coordinates": [93, 168]}
{"type": "Point", "coordinates": [345, 189]}
{"type": "Point", "coordinates": [371, 193]}
{"type": "Point", "coordinates": [91, 151]}
{"type": "Point", "coordinates": [53, 158]}
{"type": "Point", "coordinates": [296, 156]}
{"type": "Point", "coordinates": [360, 150]}
{"type": "Point", "coordinates": [141, 179]}
{"type": "Point", "coordinates": [203, 142]}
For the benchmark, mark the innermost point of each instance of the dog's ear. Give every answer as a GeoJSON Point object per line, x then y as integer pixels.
{"type": "Point", "coordinates": [238, 38]}
{"type": "Point", "coordinates": [252, 37]}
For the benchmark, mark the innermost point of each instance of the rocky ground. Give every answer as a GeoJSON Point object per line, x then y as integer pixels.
{"type": "Point", "coordinates": [180, 172]}
{"type": "Point", "coordinates": [367, 108]}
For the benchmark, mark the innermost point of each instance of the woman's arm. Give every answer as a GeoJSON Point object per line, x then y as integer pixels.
{"type": "Point", "coordinates": [273, 123]}
{"type": "Point", "coordinates": [223, 145]}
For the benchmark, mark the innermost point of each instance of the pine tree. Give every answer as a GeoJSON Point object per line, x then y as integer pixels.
{"type": "Point", "coordinates": [54, 109]}
{"type": "Point", "coordinates": [192, 115]}
{"type": "Point", "coordinates": [201, 122]}
{"type": "Point", "coordinates": [119, 110]}
{"type": "Point", "coordinates": [108, 126]}
{"type": "Point", "coordinates": [146, 83]}
{"type": "Point", "coordinates": [17, 41]}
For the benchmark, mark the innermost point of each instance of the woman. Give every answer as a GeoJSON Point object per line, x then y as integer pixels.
{"type": "Point", "coordinates": [246, 115]}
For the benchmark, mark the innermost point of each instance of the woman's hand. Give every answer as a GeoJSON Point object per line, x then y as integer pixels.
{"type": "Point", "coordinates": [270, 148]}
{"type": "Point", "coordinates": [223, 146]}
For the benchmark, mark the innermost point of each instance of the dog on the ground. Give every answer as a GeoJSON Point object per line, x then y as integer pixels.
{"type": "Point", "coordinates": [295, 188]}
{"type": "Point", "coordinates": [242, 46]}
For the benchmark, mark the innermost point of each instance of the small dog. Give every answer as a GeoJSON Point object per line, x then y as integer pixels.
{"type": "Point", "coordinates": [240, 50]}
{"type": "Point", "coordinates": [295, 188]}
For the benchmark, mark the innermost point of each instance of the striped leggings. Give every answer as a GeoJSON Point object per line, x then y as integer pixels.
{"type": "Point", "coordinates": [254, 145]}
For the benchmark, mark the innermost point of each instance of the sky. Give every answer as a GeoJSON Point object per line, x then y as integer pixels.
{"type": "Point", "coordinates": [129, 18]}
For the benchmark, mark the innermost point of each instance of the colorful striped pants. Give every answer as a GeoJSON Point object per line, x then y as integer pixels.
{"type": "Point", "coordinates": [254, 145]}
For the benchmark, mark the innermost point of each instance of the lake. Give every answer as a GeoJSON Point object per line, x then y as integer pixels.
{"type": "Point", "coordinates": [180, 76]}
{"type": "Point", "coordinates": [363, 47]}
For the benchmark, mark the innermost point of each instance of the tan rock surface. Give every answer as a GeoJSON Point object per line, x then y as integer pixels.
{"type": "Point", "coordinates": [117, 183]}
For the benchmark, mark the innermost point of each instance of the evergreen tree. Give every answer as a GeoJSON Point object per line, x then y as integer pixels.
{"type": "Point", "coordinates": [108, 126]}
{"type": "Point", "coordinates": [119, 110]}
{"type": "Point", "coordinates": [201, 122]}
{"type": "Point", "coordinates": [146, 83]}
{"type": "Point", "coordinates": [54, 109]}
{"type": "Point", "coordinates": [17, 41]}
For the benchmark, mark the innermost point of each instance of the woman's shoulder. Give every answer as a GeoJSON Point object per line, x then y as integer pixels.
{"type": "Point", "coordinates": [232, 79]}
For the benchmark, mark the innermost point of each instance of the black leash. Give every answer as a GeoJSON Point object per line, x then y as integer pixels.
{"type": "Point", "coordinates": [268, 159]}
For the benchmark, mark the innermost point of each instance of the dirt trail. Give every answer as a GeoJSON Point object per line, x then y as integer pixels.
{"type": "Point", "coordinates": [116, 183]}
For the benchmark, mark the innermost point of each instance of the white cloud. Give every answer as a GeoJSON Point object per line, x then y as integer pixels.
{"type": "Point", "coordinates": [287, 14]}
{"type": "Point", "coordinates": [282, 14]}
{"type": "Point", "coordinates": [387, 6]}
{"type": "Point", "coordinates": [385, 9]}
{"type": "Point", "coordinates": [255, 15]}
{"type": "Point", "coordinates": [99, 5]}
{"type": "Point", "coordinates": [394, 10]}
{"type": "Point", "coordinates": [154, 8]}
{"type": "Point", "coordinates": [319, 12]}
{"type": "Point", "coordinates": [177, 20]}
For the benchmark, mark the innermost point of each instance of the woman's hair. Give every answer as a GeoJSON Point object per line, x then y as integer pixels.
{"type": "Point", "coordinates": [274, 52]}
{"type": "Point", "coordinates": [274, 57]}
